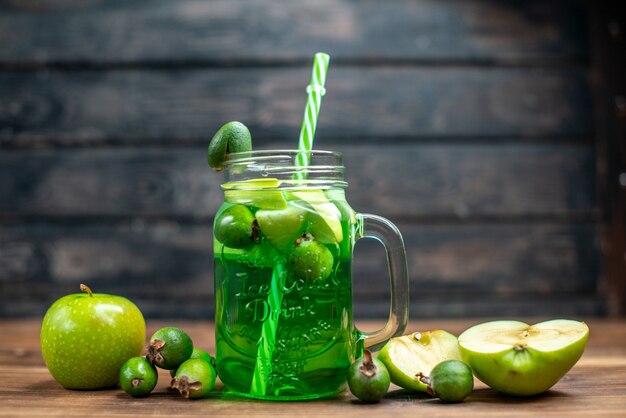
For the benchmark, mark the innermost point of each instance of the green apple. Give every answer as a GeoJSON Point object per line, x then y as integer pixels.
{"type": "Point", "coordinates": [416, 354]}
{"type": "Point", "coordinates": [86, 338]}
{"type": "Point", "coordinates": [324, 219]}
{"type": "Point", "coordinates": [521, 359]}
{"type": "Point", "coordinates": [281, 227]}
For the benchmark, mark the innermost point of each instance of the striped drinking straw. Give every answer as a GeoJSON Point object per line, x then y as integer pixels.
{"type": "Point", "coordinates": [265, 351]}
{"type": "Point", "coordinates": [315, 90]}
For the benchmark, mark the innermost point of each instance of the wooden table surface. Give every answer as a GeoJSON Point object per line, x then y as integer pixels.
{"type": "Point", "coordinates": [595, 386]}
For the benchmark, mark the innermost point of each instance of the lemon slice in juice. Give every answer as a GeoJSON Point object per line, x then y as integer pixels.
{"type": "Point", "coordinates": [253, 193]}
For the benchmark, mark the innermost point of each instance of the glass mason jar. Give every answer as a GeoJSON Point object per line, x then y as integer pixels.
{"type": "Point", "coordinates": [283, 241]}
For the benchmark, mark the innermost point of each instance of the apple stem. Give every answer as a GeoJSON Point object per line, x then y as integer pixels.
{"type": "Point", "coordinates": [85, 288]}
{"type": "Point", "coordinates": [428, 382]}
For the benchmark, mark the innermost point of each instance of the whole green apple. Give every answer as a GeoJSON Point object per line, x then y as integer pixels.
{"type": "Point", "coordinates": [521, 359]}
{"type": "Point", "coordinates": [86, 337]}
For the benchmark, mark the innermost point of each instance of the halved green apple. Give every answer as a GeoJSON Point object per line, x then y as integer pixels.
{"type": "Point", "coordinates": [415, 353]}
{"type": "Point", "coordinates": [324, 219]}
{"type": "Point", "coordinates": [520, 359]}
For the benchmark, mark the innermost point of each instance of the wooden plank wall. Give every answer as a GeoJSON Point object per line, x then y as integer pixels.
{"type": "Point", "coordinates": [467, 123]}
{"type": "Point", "coordinates": [608, 69]}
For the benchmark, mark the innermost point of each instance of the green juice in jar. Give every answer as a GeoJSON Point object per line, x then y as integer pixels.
{"type": "Point", "coordinates": [283, 241]}
{"type": "Point", "coordinates": [314, 335]}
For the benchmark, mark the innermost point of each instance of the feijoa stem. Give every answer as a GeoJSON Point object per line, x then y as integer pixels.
{"type": "Point", "coordinates": [368, 368]}
{"type": "Point", "coordinates": [184, 386]}
{"type": "Point", "coordinates": [85, 288]}
{"type": "Point", "coordinates": [154, 355]}
{"type": "Point", "coordinates": [304, 237]}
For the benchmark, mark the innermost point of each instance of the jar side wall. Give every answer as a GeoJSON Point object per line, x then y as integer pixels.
{"type": "Point", "coordinates": [315, 329]}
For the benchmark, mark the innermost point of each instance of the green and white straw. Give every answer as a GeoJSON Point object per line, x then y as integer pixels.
{"type": "Point", "coordinates": [315, 90]}
{"type": "Point", "coordinates": [267, 342]}
{"type": "Point", "coordinates": [263, 366]}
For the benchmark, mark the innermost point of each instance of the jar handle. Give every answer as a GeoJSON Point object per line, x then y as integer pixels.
{"type": "Point", "coordinates": [384, 231]}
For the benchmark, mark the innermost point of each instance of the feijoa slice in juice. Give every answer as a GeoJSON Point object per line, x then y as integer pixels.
{"type": "Point", "coordinates": [368, 378]}
{"type": "Point", "coordinates": [169, 348]}
{"type": "Point", "coordinates": [138, 377]}
{"type": "Point", "coordinates": [262, 193]}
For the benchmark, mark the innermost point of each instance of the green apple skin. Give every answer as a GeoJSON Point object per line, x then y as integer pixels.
{"type": "Point", "coordinates": [417, 352]}
{"type": "Point", "coordinates": [281, 227]}
{"type": "Point", "coordinates": [85, 339]}
{"type": "Point", "coordinates": [523, 371]}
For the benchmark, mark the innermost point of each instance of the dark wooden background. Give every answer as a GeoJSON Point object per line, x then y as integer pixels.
{"type": "Point", "coordinates": [473, 125]}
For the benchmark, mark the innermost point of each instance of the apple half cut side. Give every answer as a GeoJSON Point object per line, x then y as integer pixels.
{"type": "Point", "coordinates": [419, 352]}
{"type": "Point", "coordinates": [520, 359]}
